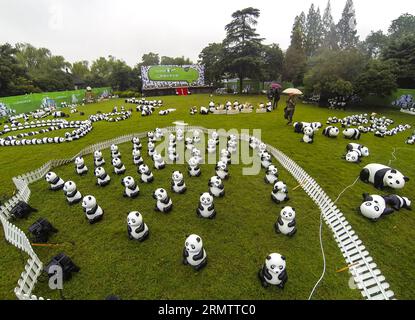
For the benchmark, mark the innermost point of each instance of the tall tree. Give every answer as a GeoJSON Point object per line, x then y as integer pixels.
{"type": "Point", "coordinates": [313, 32]}
{"type": "Point", "coordinates": [295, 57]}
{"type": "Point", "coordinates": [242, 45]}
{"type": "Point", "coordinates": [347, 27]}
{"type": "Point", "coordinates": [330, 38]}
{"type": "Point", "coordinates": [175, 60]}
{"type": "Point", "coordinates": [80, 69]}
{"type": "Point", "coordinates": [375, 43]}
{"type": "Point", "coordinates": [402, 26]}
{"type": "Point", "coordinates": [150, 59]}
{"type": "Point", "coordinates": [212, 58]}
{"type": "Point", "coordinates": [273, 62]}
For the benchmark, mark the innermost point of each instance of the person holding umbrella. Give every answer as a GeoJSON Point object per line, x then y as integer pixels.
{"type": "Point", "coordinates": [274, 95]}
{"type": "Point", "coordinates": [290, 108]}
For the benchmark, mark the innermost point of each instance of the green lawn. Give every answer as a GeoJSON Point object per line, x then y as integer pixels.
{"type": "Point", "coordinates": [239, 239]}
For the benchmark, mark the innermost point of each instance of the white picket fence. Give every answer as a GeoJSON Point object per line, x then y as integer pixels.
{"type": "Point", "coordinates": [367, 276]}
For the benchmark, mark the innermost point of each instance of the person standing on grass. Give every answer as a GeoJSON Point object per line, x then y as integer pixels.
{"type": "Point", "coordinates": [290, 109]}
{"type": "Point", "coordinates": [276, 96]}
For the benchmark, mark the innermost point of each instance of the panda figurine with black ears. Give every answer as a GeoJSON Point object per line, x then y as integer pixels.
{"type": "Point", "coordinates": [352, 134]}
{"type": "Point", "coordinates": [193, 253]}
{"type": "Point", "coordinates": [131, 188]}
{"type": "Point", "coordinates": [222, 170]}
{"type": "Point", "coordinates": [164, 203]}
{"type": "Point", "coordinates": [193, 168]}
{"type": "Point", "coordinates": [137, 158]}
{"type": "Point", "coordinates": [331, 132]}
{"type": "Point", "coordinates": [151, 149]}
{"type": "Point", "coordinates": [271, 175]}
{"type": "Point", "coordinates": [119, 167]}
{"type": "Point", "coordinates": [382, 176]}
{"type": "Point", "coordinates": [266, 160]}
{"type": "Point", "coordinates": [80, 166]}
{"type": "Point", "coordinates": [177, 182]}
{"type": "Point", "coordinates": [308, 136]}
{"type": "Point", "coordinates": [99, 161]}
{"type": "Point", "coordinates": [115, 153]}
{"type": "Point", "coordinates": [374, 207]}
{"type": "Point", "coordinates": [358, 147]}
{"type": "Point", "coordinates": [72, 194]}
{"type": "Point", "coordinates": [280, 192]}
{"type": "Point", "coordinates": [146, 176]}
{"type": "Point", "coordinates": [206, 208]}
{"type": "Point", "coordinates": [216, 187]}
{"type": "Point", "coordinates": [136, 228]}
{"type": "Point", "coordinates": [286, 223]}
{"type": "Point", "coordinates": [136, 143]}
{"type": "Point", "coordinates": [159, 163]}
{"type": "Point", "coordinates": [274, 271]}
{"type": "Point", "coordinates": [55, 183]}
{"type": "Point", "coordinates": [93, 211]}
{"type": "Point", "coordinates": [103, 179]}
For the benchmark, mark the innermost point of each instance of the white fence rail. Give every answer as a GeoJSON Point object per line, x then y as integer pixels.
{"type": "Point", "coordinates": [367, 276]}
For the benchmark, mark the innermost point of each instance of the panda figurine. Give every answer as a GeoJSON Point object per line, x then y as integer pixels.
{"type": "Point", "coordinates": [72, 194]}
{"type": "Point", "coordinates": [54, 181]}
{"type": "Point", "coordinates": [222, 170]}
{"type": "Point", "coordinates": [286, 223]}
{"type": "Point", "coordinates": [374, 207]}
{"type": "Point", "coordinates": [93, 211]}
{"type": "Point", "coordinates": [196, 136]}
{"type": "Point", "coordinates": [137, 158]}
{"type": "Point", "coordinates": [103, 179]}
{"type": "Point", "coordinates": [206, 208]}
{"type": "Point", "coordinates": [131, 188]}
{"type": "Point", "coordinates": [280, 192]}
{"type": "Point", "coordinates": [215, 137]}
{"type": "Point", "coordinates": [193, 168]}
{"type": "Point", "coordinates": [136, 228]}
{"type": "Point", "coordinates": [119, 167]}
{"type": "Point", "coordinates": [196, 153]}
{"type": "Point", "coordinates": [159, 163]}
{"type": "Point", "coordinates": [355, 146]}
{"type": "Point", "coordinates": [397, 202]}
{"type": "Point", "coordinates": [99, 161]}
{"type": "Point", "coordinates": [353, 156]}
{"type": "Point", "coordinates": [225, 156]}
{"type": "Point", "coordinates": [193, 253]}
{"type": "Point", "coordinates": [164, 203]}
{"type": "Point", "coordinates": [146, 176]}
{"type": "Point", "coordinates": [331, 132]}
{"type": "Point", "coordinates": [308, 136]}
{"type": "Point", "coordinates": [188, 142]}
{"type": "Point", "coordinates": [266, 160]}
{"type": "Point", "coordinates": [232, 146]}
{"type": "Point", "coordinates": [211, 147]}
{"type": "Point", "coordinates": [115, 153]}
{"type": "Point", "coordinates": [179, 134]}
{"type": "Point", "coordinates": [352, 134]}
{"type": "Point", "coordinates": [216, 187]}
{"type": "Point", "coordinates": [80, 166]}
{"type": "Point", "coordinates": [136, 143]}
{"type": "Point", "coordinates": [274, 271]}
{"type": "Point", "coordinates": [151, 149]}
{"type": "Point", "coordinates": [271, 175]}
{"type": "Point", "coordinates": [177, 182]}
{"type": "Point", "coordinates": [382, 176]}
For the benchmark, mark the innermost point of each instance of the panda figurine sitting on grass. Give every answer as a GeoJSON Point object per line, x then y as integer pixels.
{"type": "Point", "coordinates": [216, 187]}
{"type": "Point", "coordinates": [164, 203]}
{"type": "Point", "coordinates": [136, 143]}
{"type": "Point", "coordinates": [93, 211]}
{"type": "Point", "coordinates": [352, 134]}
{"type": "Point", "coordinates": [99, 161]}
{"type": "Point", "coordinates": [211, 148]}
{"type": "Point", "coordinates": [271, 175]}
{"type": "Point", "coordinates": [137, 158]}
{"type": "Point", "coordinates": [382, 176]}
{"type": "Point", "coordinates": [225, 156]}
{"type": "Point", "coordinates": [193, 253]}
{"type": "Point", "coordinates": [159, 163]}
{"type": "Point", "coordinates": [151, 149]}
{"type": "Point", "coordinates": [80, 166]}
{"type": "Point", "coordinates": [55, 183]}
{"type": "Point", "coordinates": [119, 167]}
{"type": "Point", "coordinates": [308, 136]}
{"type": "Point", "coordinates": [331, 132]}
{"type": "Point", "coordinates": [177, 182]}
{"type": "Point", "coordinates": [193, 168]}
{"type": "Point", "coordinates": [146, 176]}
{"type": "Point", "coordinates": [279, 192]}
{"type": "Point", "coordinates": [274, 271]}
{"type": "Point", "coordinates": [286, 223]}
{"type": "Point", "coordinates": [358, 147]}
{"type": "Point", "coordinates": [136, 228]}
{"type": "Point", "coordinates": [72, 194]}
{"type": "Point", "coordinates": [103, 179]}
{"type": "Point", "coordinates": [115, 153]}
{"type": "Point", "coordinates": [131, 188]}
{"type": "Point", "coordinates": [266, 160]}
{"type": "Point", "coordinates": [222, 170]}
{"type": "Point", "coordinates": [206, 208]}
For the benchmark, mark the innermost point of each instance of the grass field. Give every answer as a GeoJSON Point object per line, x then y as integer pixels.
{"type": "Point", "coordinates": [239, 239]}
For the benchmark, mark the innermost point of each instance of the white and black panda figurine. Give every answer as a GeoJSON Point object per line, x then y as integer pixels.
{"type": "Point", "coordinates": [206, 208]}
{"type": "Point", "coordinates": [137, 158]}
{"type": "Point", "coordinates": [193, 253]}
{"type": "Point", "coordinates": [331, 132]}
{"type": "Point", "coordinates": [397, 202]}
{"type": "Point", "coordinates": [164, 203]}
{"type": "Point", "coordinates": [99, 160]}
{"type": "Point", "coordinates": [374, 207]}
{"type": "Point", "coordinates": [211, 147]}
{"type": "Point", "coordinates": [146, 176]}
{"type": "Point", "coordinates": [216, 187]}
{"type": "Point", "coordinates": [286, 223]}
{"type": "Point", "coordinates": [225, 156]}
{"type": "Point", "coordinates": [177, 182]}
{"type": "Point", "coordinates": [151, 149]}
{"type": "Point", "coordinates": [131, 188]}
{"type": "Point", "coordinates": [72, 194]}
{"type": "Point", "coordinates": [271, 175]}
{"type": "Point", "coordinates": [362, 149]}
{"type": "Point", "coordinates": [136, 143]}
{"type": "Point", "coordinates": [103, 179]}
{"type": "Point", "coordinates": [280, 192]}
{"type": "Point", "coordinates": [308, 136]}
{"type": "Point", "coordinates": [274, 271]}
{"type": "Point", "coordinates": [115, 153]}
{"type": "Point", "coordinates": [119, 167]}
{"type": "Point", "coordinates": [196, 136]}
{"type": "Point", "coordinates": [353, 156]}
{"type": "Point", "coordinates": [136, 228]}
{"type": "Point", "coordinates": [93, 211]}
{"type": "Point", "coordinates": [266, 160]}
{"type": "Point", "coordinates": [55, 183]}
{"type": "Point", "coordinates": [222, 170]}
{"type": "Point", "coordinates": [193, 168]}
{"type": "Point", "coordinates": [80, 166]}
{"type": "Point", "coordinates": [215, 137]}
{"type": "Point", "coordinates": [382, 176]}
{"type": "Point", "coordinates": [159, 163]}
{"type": "Point", "coordinates": [352, 134]}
